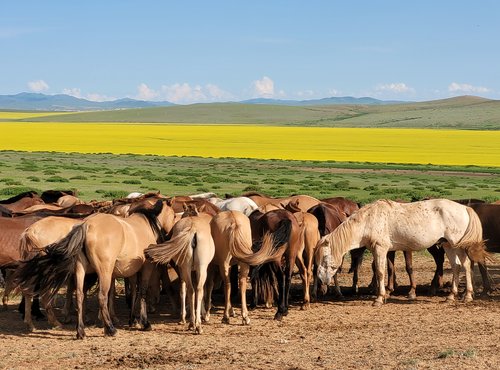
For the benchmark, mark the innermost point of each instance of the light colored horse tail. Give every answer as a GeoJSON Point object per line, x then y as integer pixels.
{"type": "Point", "coordinates": [472, 240]}
{"type": "Point", "coordinates": [28, 247]}
{"type": "Point", "coordinates": [270, 246]}
{"type": "Point", "coordinates": [179, 248]}
{"type": "Point", "coordinates": [47, 273]}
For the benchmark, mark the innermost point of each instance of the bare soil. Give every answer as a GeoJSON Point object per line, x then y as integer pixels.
{"type": "Point", "coordinates": [343, 334]}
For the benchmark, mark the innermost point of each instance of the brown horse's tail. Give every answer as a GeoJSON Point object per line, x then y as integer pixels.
{"type": "Point", "coordinates": [472, 241]}
{"type": "Point", "coordinates": [176, 249]}
{"type": "Point", "coordinates": [270, 245]}
{"type": "Point", "coordinates": [47, 273]}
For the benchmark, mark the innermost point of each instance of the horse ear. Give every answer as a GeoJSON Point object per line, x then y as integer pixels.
{"type": "Point", "coordinates": [282, 206]}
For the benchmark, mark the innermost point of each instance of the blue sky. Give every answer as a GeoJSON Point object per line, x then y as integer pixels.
{"type": "Point", "coordinates": [203, 51]}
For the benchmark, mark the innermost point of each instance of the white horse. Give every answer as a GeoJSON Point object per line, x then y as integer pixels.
{"type": "Point", "coordinates": [192, 249]}
{"type": "Point", "coordinates": [242, 204]}
{"type": "Point", "coordinates": [385, 226]}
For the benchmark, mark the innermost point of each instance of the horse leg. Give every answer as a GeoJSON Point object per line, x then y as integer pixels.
{"type": "Point", "coordinates": [105, 278]}
{"type": "Point", "coordinates": [437, 281]}
{"type": "Point", "coordinates": [243, 275]}
{"type": "Point", "coordinates": [49, 309]}
{"type": "Point", "coordinates": [455, 267]}
{"type": "Point", "coordinates": [27, 313]}
{"type": "Point", "coordinates": [79, 281]}
{"type": "Point", "coordinates": [225, 275]}
{"type": "Point", "coordinates": [147, 271]}
{"type": "Point", "coordinates": [133, 297]}
{"type": "Point", "coordinates": [380, 259]}
{"type": "Point", "coordinates": [182, 291]}
{"type": "Point", "coordinates": [111, 302]}
{"type": "Point", "coordinates": [280, 275]}
{"type": "Point", "coordinates": [209, 287]}
{"type": "Point", "coordinates": [68, 303]}
{"type": "Point", "coordinates": [412, 295]}
{"type": "Point", "coordinates": [338, 291]}
{"type": "Point", "coordinates": [200, 283]}
{"type": "Point", "coordinates": [304, 274]}
{"type": "Point", "coordinates": [391, 273]}
{"type": "Point", "coordinates": [465, 262]}
{"type": "Point", "coordinates": [487, 280]}
{"type": "Point", "coordinates": [356, 261]}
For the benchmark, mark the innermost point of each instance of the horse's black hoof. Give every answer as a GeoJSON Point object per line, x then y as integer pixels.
{"type": "Point", "coordinates": [278, 316]}
{"type": "Point", "coordinates": [147, 327]}
{"type": "Point", "coordinates": [109, 331]}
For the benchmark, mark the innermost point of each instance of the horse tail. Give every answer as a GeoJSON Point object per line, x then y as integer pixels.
{"type": "Point", "coordinates": [47, 273]}
{"type": "Point", "coordinates": [472, 240]}
{"type": "Point", "coordinates": [179, 248]}
{"type": "Point", "coordinates": [28, 245]}
{"type": "Point", "coordinates": [270, 245]}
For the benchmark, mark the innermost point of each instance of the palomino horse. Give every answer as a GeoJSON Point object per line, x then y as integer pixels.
{"type": "Point", "coordinates": [109, 245]}
{"type": "Point", "coordinates": [38, 235]}
{"type": "Point", "coordinates": [192, 248]}
{"type": "Point", "coordinates": [386, 225]}
{"type": "Point", "coordinates": [304, 201]}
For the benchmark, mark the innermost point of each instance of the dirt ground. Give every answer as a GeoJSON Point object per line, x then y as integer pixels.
{"type": "Point", "coordinates": [341, 334]}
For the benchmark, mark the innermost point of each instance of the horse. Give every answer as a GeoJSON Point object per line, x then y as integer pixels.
{"type": "Point", "coordinates": [106, 244]}
{"type": "Point", "coordinates": [345, 205]}
{"type": "Point", "coordinates": [242, 204]}
{"type": "Point", "coordinates": [23, 203]}
{"type": "Point", "coordinates": [305, 201]}
{"type": "Point", "coordinates": [38, 235]}
{"type": "Point", "coordinates": [386, 225]}
{"type": "Point", "coordinates": [15, 198]}
{"type": "Point", "coordinates": [192, 248]}
{"type": "Point", "coordinates": [283, 228]}
{"type": "Point", "coordinates": [51, 196]}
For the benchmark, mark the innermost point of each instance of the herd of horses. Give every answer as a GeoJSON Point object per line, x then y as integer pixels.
{"type": "Point", "coordinates": [55, 240]}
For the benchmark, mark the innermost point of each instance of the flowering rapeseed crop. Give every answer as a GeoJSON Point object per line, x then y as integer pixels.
{"type": "Point", "coordinates": [451, 147]}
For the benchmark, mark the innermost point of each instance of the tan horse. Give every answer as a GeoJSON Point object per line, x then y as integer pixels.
{"type": "Point", "coordinates": [46, 231]}
{"type": "Point", "coordinates": [232, 235]}
{"type": "Point", "coordinates": [386, 225]}
{"type": "Point", "coordinates": [109, 245]}
{"type": "Point", "coordinates": [304, 201]}
{"type": "Point", "coordinates": [192, 248]}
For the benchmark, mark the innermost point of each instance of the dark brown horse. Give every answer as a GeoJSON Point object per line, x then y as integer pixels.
{"type": "Point", "coordinates": [345, 205]}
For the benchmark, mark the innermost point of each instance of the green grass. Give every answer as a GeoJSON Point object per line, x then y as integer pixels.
{"type": "Point", "coordinates": [106, 176]}
{"type": "Point", "coordinates": [459, 113]}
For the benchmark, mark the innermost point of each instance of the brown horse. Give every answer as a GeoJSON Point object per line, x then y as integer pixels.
{"type": "Point", "coordinates": [345, 205]}
{"type": "Point", "coordinates": [109, 245]}
{"type": "Point", "coordinates": [287, 237]}
{"type": "Point", "coordinates": [23, 203]}
{"type": "Point", "coordinates": [304, 201]}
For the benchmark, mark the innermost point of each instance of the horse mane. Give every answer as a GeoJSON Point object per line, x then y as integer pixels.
{"type": "Point", "coordinates": [254, 193]}
{"type": "Point", "coordinates": [15, 198]}
{"type": "Point", "coordinates": [151, 214]}
{"type": "Point", "coordinates": [5, 212]}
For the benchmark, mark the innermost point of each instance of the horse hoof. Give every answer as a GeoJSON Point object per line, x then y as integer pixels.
{"type": "Point", "coordinates": [412, 297]}
{"type": "Point", "coordinates": [377, 304]}
{"type": "Point", "coordinates": [305, 306]}
{"type": "Point", "coordinates": [80, 335]}
{"type": "Point", "coordinates": [56, 325]}
{"type": "Point", "coordinates": [278, 316]}
{"type": "Point", "coordinates": [467, 299]}
{"type": "Point", "coordinates": [246, 321]}
{"type": "Point", "coordinates": [30, 328]}
{"type": "Point", "coordinates": [198, 330]}
{"type": "Point", "coordinates": [182, 322]}
{"type": "Point", "coordinates": [109, 331]}
{"type": "Point", "coordinates": [225, 320]}
{"type": "Point", "coordinates": [450, 299]}
{"type": "Point", "coordinates": [147, 327]}
{"type": "Point", "coordinates": [232, 312]}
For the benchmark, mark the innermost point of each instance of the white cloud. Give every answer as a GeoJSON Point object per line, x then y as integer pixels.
{"type": "Point", "coordinates": [264, 87]}
{"type": "Point", "coordinates": [184, 93]}
{"type": "Point", "coordinates": [466, 88]}
{"type": "Point", "coordinates": [38, 86]}
{"type": "Point", "coordinates": [145, 93]}
{"type": "Point", "coordinates": [398, 88]}
{"type": "Point", "coordinates": [77, 93]}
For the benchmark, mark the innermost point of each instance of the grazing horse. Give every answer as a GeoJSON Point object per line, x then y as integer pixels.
{"type": "Point", "coordinates": [109, 245]}
{"type": "Point", "coordinates": [305, 201]}
{"type": "Point", "coordinates": [38, 235]}
{"type": "Point", "coordinates": [242, 204]}
{"type": "Point", "coordinates": [345, 205]}
{"type": "Point", "coordinates": [23, 203]}
{"type": "Point", "coordinates": [386, 225]}
{"type": "Point", "coordinates": [192, 248]}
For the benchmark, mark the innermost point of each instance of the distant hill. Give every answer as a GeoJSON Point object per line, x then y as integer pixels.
{"type": "Point", "coordinates": [324, 101]}
{"type": "Point", "coordinates": [63, 102]}
{"type": "Point", "coordinates": [464, 112]}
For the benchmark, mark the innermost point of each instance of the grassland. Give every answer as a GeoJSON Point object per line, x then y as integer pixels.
{"type": "Point", "coordinates": [457, 113]}
{"type": "Point", "coordinates": [108, 176]}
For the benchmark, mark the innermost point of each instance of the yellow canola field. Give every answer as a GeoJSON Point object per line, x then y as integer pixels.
{"type": "Point", "coordinates": [25, 115]}
{"type": "Point", "coordinates": [451, 147]}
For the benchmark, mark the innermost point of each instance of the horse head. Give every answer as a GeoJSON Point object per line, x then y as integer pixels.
{"type": "Point", "coordinates": [326, 266]}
